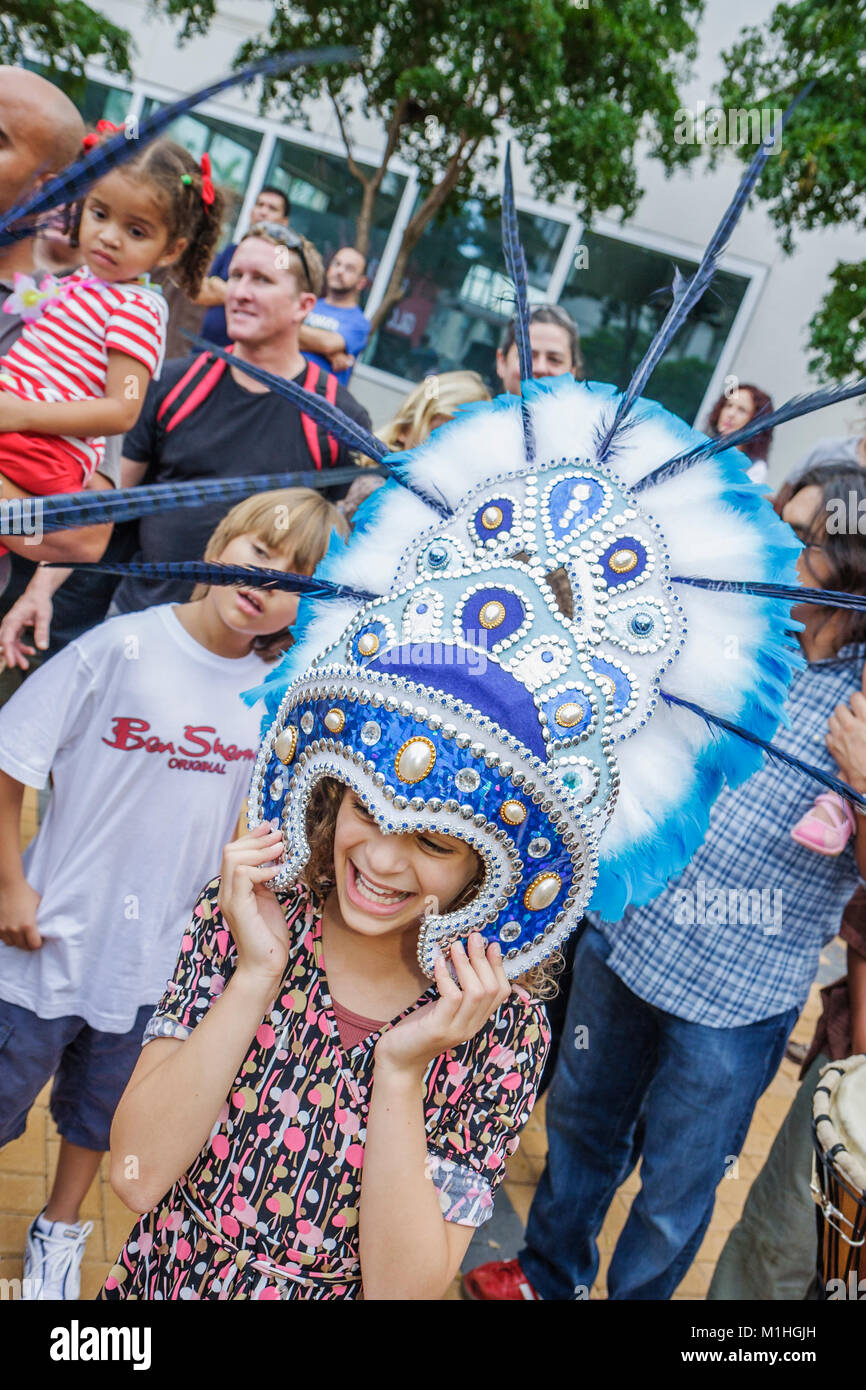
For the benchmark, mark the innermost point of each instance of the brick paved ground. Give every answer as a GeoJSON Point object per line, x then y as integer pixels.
{"type": "Point", "coordinates": [27, 1167]}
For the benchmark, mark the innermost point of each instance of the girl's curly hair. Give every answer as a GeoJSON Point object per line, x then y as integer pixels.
{"type": "Point", "coordinates": [318, 874]}
{"type": "Point", "coordinates": [176, 181]}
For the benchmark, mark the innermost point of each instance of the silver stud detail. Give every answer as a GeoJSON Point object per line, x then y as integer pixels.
{"type": "Point", "coordinates": [467, 779]}
{"type": "Point", "coordinates": [538, 848]}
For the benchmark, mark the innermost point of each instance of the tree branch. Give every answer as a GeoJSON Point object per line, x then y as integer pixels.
{"type": "Point", "coordinates": [354, 168]}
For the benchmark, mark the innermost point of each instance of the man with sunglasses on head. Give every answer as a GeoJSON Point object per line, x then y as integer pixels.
{"type": "Point", "coordinates": [206, 419]}
{"type": "Point", "coordinates": [555, 344]}
{"type": "Point", "coordinates": [272, 205]}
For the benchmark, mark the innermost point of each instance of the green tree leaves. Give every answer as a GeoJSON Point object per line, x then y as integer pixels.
{"type": "Point", "coordinates": [819, 177]}
{"type": "Point", "coordinates": [65, 34]}
{"type": "Point", "coordinates": [572, 78]}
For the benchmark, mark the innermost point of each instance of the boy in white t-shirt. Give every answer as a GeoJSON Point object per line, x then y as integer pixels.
{"type": "Point", "coordinates": [150, 751]}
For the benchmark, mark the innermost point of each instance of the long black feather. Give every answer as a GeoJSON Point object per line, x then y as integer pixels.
{"type": "Point", "coordinates": [73, 181]}
{"type": "Point", "coordinates": [789, 593]}
{"type": "Point", "coordinates": [791, 410]}
{"type": "Point", "coordinates": [209, 572]}
{"type": "Point", "coordinates": [324, 413]}
{"type": "Point", "coordinates": [66, 511]}
{"type": "Point", "coordinates": [516, 263]}
{"type": "Point", "coordinates": [835, 784]}
{"type": "Point", "coordinates": [687, 293]}
{"type": "Point", "coordinates": [335, 421]}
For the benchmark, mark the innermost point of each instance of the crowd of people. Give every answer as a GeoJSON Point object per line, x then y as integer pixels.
{"type": "Point", "coordinates": [114, 689]}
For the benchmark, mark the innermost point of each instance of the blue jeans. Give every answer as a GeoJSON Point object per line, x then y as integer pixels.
{"type": "Point", "coordinates": [631, 1077]}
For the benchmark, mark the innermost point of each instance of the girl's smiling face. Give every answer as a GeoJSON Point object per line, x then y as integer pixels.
{"type": "Point", "coordinates": [384, 882]}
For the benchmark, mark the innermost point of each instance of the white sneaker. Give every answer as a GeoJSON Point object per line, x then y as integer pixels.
{"type": "Point", "coordinates": [52, 1259]}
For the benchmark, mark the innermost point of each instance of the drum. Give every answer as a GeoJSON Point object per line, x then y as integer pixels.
{"type": "Point", "coordinates": [839, 1176]}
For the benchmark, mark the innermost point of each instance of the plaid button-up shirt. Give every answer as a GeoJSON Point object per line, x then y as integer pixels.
{"type": "Point", "coordinates": [737, 936]}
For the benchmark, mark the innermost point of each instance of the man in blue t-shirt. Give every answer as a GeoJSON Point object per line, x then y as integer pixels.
{"type": "Point", "coordinates": [336, 331]}
{"type": "Point", "coordinates": [272, 205]}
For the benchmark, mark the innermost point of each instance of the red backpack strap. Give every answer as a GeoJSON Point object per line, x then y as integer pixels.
{"type": "Point", "coordinates": [179, 385]}
{"type": "Point", "coordinates": [311, 433]}
{"type": "Point", "coordinates": [319, 442]}
{"type": "Point", "coordinates": [331, 384]}
{"type": "Point", "coordinates": [200, 391]}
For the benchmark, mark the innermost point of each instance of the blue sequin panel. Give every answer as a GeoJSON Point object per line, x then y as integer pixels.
{"type": "Point", "coordinates": [619, 687]}
{"type": "Point", "coordinates": [493, 518]}
{"type": "Point", "coordinates": [572, 504]}
{"type": "Point", "coordinates": [570, 714]}
{"type": "Point", "coordinates": [491, 615]}
{"type": "Point", "coordinates": [624, 560]}
{"type": "Point", "coordinates": [382, 633]}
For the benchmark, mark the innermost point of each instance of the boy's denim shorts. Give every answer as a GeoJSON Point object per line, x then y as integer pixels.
{"type": "Point", "coordinates": [90, 1071]}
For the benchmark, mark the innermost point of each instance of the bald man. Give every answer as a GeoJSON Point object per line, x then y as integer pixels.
{"type": "Point", "coordinates": [40, 133]}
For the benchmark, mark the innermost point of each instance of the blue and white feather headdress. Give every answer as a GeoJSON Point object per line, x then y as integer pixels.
{"type": "Point", "coordinates": [538, 640]}
{"type": "Point", "coordinates": [557, 631]}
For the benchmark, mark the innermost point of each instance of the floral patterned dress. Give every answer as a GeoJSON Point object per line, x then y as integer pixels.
{"type": "Point", "coordinates": [269, 1208]}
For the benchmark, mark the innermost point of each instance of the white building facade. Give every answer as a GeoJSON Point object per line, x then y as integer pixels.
{"type": "Point", "coordinates": [611, 276]}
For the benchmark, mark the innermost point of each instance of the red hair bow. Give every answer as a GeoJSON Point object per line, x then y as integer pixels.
{"type": "Point", "coordinates": [207, 190]}
{"type": "Point", "coordinates": [102, 128]}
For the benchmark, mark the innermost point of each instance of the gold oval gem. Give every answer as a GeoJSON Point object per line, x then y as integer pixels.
{"type": "Point", "coordinates": [569, 714]}
{"type": "Point", "coordinates": [492, 614]}
{"type": "Point", "coordinates": [491, 517]}
{"type": "Point", "coordinates": [415, 760]}
{"type": "Point", "coordinates": [621, 561]}
{"type": "Point", "coordinates": [335, 720]}
{"type": "Point", "coordinates": [513, 812]}
{"type": "Point", "coordinates": [368, 644]}
{"type": "Point", "coordinates": [542, 891]}
{"type": "Point", "coordinates": [285, 744]}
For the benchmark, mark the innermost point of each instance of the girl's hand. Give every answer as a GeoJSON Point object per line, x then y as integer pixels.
{"type": "Point", "coordinates": [462, 1009]}
{"type": "Point", "coordinates": [251, 910]}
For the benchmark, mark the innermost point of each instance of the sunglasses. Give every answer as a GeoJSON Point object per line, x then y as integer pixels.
{"type": "Point", "coordinates": [293, 240]}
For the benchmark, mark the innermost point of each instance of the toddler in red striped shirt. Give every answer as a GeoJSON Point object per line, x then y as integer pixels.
{"type": "Point", "coordinates": [81, 367]}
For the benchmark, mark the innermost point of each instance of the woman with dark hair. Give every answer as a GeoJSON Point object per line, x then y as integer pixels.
{"type": "Point", "coordinates": [733, 412]}
{"type": "Point", "coordinates": [824, 509]}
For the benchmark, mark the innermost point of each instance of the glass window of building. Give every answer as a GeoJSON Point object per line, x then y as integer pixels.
{"type": "Point", "coordinates": [232, 150]}
{"type": "Point", "coordinates": [619, 294]}
{"type": "Point", "coordinates": [326, 199]}
{"type": "Point", "coordinates": [99, 102]}
{"type": "Point", "coordinates": [457, 296]}
{"type": "Point", "coordinates": [102, 103]}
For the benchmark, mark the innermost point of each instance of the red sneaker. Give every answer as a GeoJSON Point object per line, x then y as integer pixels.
{"type": "Point", "coordinates": [500, 1281]}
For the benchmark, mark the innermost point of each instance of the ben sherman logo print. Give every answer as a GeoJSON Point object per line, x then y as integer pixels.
{"type": "Point", "coordinates": [132, 735]}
